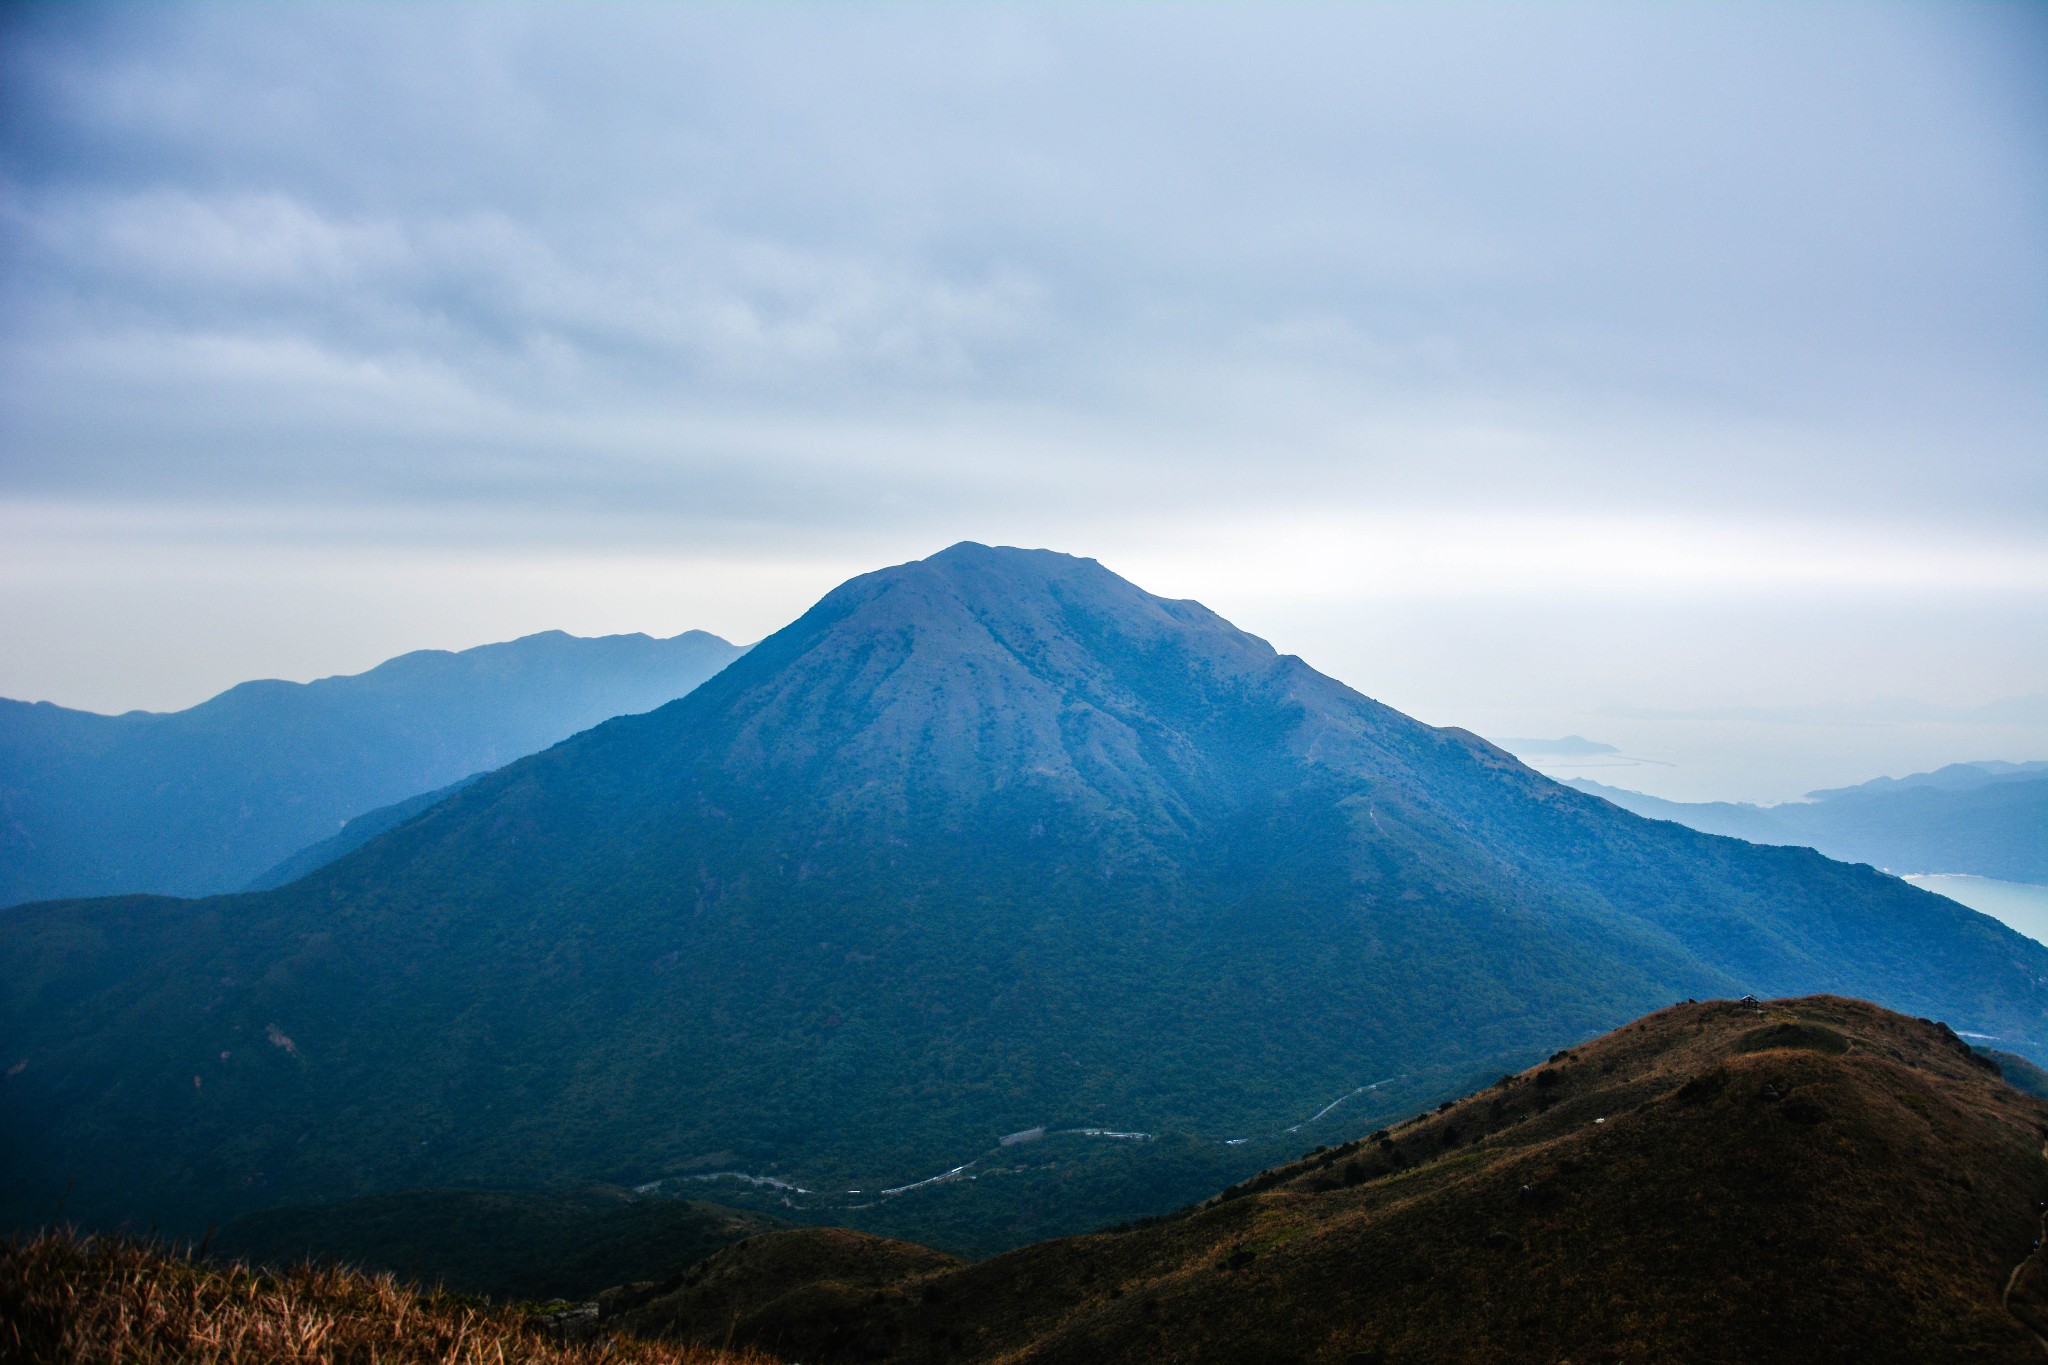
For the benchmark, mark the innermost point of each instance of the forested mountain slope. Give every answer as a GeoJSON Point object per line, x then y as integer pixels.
{"type": "Point", "coordinates": [1808, 1181]}
{"type": "Point", "coordinates": [513, 1245]}
{"type": "Point", "coordinates": [200, 801]}
{"type": "Point", "coordinates": [989, 841]}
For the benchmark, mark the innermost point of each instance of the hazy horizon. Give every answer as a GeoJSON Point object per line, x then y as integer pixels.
{"type": "Point", "coordinates": [1530, 368]}
{"type": "Point", "coordinates": [1757, 754]}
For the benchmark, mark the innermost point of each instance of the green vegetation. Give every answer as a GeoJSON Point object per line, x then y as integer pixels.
{"type": "Point", "coordinates": [354, 834]}
{"type": "Point", "coordinates": [1676, 1192]}
{"type": "Point", "coordinates": [203, 800]}
{"type": "Point", "coordinates": [509, 1244]}
{"type": "Point", "coordinates": [987, 843]}
{"type": "Point", "coordinates": [2021, 1074]}
{"type": "Point", "coordinates": [1790, 1033]}
{"type": "Point", "coordinates": [1009, 1196]}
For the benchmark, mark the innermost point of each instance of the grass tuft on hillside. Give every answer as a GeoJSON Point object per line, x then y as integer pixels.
{"type": "Point", "coordinates": [71, 1299]}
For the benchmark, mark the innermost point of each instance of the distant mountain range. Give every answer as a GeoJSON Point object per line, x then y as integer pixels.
{"type": "Point", "coordinates": [2027, 710]}
{"type": "Point", "coordinates": [1806, 1182]}
{"type": "Point", "coordinates": [1989, 819]}
{"type": "Point", "coordinates": [201, 801]}
{"type": "Point", "coordinates": [986, 843]}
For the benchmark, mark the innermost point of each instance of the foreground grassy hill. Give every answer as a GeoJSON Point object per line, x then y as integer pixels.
{"type": "Point", "coordinates": [65, 1301]}
{"type": "Point", "coordinates": [1809, 1180]}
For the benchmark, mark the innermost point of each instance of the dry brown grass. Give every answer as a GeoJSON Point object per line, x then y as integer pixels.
{"type": "Point", "coordinates": [69, 1300]}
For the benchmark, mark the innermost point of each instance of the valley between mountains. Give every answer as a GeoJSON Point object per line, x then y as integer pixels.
{"type": "Point", "coordinates": [1806, 1180]}
{"type": "Point", "coordinates": [994, 901]}
{"type": "Point", "coordinates": [1798, 1181]}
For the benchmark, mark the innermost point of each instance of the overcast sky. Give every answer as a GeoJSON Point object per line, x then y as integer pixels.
{"type": "Point", "coordinates": [1510, 363]}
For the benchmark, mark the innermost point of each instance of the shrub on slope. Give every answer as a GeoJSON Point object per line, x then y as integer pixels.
{"type": "Point", "coordinates": [72, 1300]}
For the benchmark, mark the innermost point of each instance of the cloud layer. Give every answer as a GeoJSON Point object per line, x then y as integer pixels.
{"type": "Point", "coordinates": [483, 253]}
{"type": "Point", "coordinates": [1742, 296]}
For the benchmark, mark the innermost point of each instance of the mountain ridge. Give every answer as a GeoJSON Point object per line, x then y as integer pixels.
{"type": "Point", "coordinates": [203, 800]}
{"type": "Point", "coordinates": [353, 835]}
{"type": "Point", "coordinates": [1959, 819]}
{"type": "Point", "coordinates": [979, 843]}
{"type": "Point", "coordinates": [1799, 1180]}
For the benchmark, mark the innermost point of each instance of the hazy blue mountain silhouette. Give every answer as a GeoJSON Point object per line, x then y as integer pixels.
{"type": "Point", "coordinates": [1990, 819]}
{"type": "Point", "coordinates": [354, 834]}
{"type": "Point", "coordinates": [982, 842]}
{"type": "Point", "coordinates": [200, 801]}
{"type": "Point", "coordinates": [1956, 777]}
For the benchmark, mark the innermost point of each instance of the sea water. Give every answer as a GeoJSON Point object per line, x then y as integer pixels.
{"type": "Point", "coordinates": [2019, 905]}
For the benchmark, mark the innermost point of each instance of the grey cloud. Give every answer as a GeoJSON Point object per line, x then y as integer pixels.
{"type": "Point", "coordinates": [834, 260]}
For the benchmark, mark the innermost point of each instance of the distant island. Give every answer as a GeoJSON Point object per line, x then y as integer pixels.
{"type": "Point", "coordinates": [1988, 819]}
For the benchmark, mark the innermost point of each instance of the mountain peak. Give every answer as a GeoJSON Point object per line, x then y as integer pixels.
{"type": "Point", "coordinates": [991, 668]}
{"type": "Point", "coordinates": [972, 550]}
{"type": "Point", "coordinates": [983, 573]}
{"type": "Point", "coordinates": [988, 842]}
{"type": "Point", "coordinates": [1046, 593]}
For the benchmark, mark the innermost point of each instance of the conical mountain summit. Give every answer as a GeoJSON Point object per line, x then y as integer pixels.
{"type": "Point", "coordinates": [986, 842]}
